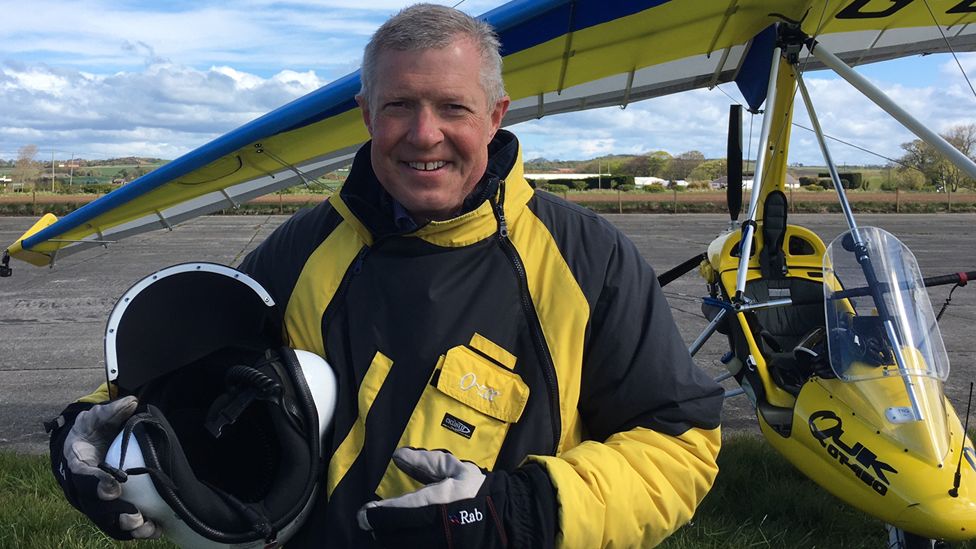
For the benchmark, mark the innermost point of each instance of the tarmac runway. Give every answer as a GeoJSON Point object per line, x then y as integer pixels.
{"type": "Point", "coordinates": [52, 320]}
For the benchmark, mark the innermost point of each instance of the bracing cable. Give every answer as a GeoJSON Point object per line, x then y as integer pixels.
{"type": "Point", "coordinates": [949, 46]}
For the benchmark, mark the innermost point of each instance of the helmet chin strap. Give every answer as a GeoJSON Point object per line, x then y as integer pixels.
{"type": "Point", "coordinates": [120, 473]}
{"type": "Point", "coordinates": [253, 515]}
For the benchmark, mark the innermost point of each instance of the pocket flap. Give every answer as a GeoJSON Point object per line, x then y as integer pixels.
{"type": "Point", "coordinates": [475, 381]}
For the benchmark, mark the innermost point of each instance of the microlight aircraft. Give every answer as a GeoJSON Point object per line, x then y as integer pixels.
{"type": "Point", "coordinates": [872, 426]}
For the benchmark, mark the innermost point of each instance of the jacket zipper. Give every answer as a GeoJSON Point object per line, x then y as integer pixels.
{"type": "Point", "coordinates": [535, 326]}
{"type": "Point", "coordinates": [357, 265]}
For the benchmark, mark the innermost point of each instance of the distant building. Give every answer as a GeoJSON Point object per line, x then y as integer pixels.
{"type": "Point", "coordinates": [723, 182]}
{"type": "Point", "coordinates": [642, 181]}
{"type": "Point", "coordinates": [572, 176]}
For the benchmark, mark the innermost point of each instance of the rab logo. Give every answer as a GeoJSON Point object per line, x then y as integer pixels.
{"type": "Point", "coordinates": [463, 517]}
{"type": "Point", "coordinates": [457, 425]}
{"type": "Point", "coordinates": [828, 429]}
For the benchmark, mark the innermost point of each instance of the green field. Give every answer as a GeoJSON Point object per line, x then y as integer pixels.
{"type": "Point", "coordinates": [759, 500]}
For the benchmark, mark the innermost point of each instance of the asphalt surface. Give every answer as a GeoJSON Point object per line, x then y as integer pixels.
{"type": "Point", "coordinates": [52, 320]}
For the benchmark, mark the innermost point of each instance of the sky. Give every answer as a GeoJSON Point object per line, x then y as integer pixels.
{"type": "Point", "coordinates": [110, 78]}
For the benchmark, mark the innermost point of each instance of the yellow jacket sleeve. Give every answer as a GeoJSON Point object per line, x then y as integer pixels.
{"type": "Point", "coordinates": [634, 489]}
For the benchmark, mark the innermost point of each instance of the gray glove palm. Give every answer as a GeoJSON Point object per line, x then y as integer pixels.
{"type": "Point", "coordinates": [84, 449]}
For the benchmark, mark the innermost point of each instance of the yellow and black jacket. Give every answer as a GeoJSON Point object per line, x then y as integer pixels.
{"type": "Point", "coordinates": [526, 330]}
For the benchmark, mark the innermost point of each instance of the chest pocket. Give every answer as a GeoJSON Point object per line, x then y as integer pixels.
{"type": "Point", "coordinates": [467, 408]}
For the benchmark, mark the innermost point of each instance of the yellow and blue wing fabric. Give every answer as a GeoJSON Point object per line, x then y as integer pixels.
{"type": "Point", "coordinates": [559, 56]}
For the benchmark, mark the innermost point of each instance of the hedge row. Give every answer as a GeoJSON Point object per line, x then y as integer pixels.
{"type": "Point", "coordinates": [610, 206]}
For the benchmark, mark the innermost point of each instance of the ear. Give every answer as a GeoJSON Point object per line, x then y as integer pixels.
{"type": "Point", "coordinates": [498, 113]}
{"type": "Point", "coordinates": [364, 108]}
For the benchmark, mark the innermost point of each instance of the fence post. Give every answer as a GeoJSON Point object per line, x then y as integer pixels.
{"type": "Point", "coordinates": [620, 204]}
{"type": "Point", "coordinates": [948, 189]}
{"type": "Point", "coordinates": [674, 200]}
{"type": "Point", "coordinates": [897, 200]}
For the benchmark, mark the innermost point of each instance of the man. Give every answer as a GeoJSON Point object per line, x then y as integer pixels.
{"type": "Point", "coordinates": [509, 371]}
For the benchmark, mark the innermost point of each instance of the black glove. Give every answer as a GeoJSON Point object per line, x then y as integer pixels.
{"type": "Point", "coordinates": [79, 441]}
{"type": "Point", "coordinates": [463, 506]}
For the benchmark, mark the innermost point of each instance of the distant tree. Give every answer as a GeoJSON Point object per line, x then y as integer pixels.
{"type": "Point", "coordinates": [709, 170]}
{"type": "Point", "coordinates": [638, 166]}
{"type": "Point", "coordinates": [658, 163]}
{"type": "Point", "coordinates": [26, 169]}
{"type": "Point", "coordinates": [683, 164]}
{"type": "Point", "coordinates": [936, 168]}
{"type": "Point", "coordinates": [963, 138]}
{"type": "Point", "coordinates": [652, 164]}
{"type": "Point", "coordinates": [908, 179]}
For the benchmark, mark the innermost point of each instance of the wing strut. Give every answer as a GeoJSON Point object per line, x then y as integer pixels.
{"type": "Point", "coordinates": [749, 226]}
{"type": "Point", "coordinates": [863, 259]}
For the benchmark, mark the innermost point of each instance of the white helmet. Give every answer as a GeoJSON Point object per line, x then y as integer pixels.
{"type": "Point", "coordinates": [225, 447]}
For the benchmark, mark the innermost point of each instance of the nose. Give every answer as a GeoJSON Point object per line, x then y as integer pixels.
{"type": "Point", "coordinates": [425, 130]}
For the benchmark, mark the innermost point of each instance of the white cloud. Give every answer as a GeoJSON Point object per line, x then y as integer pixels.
{"type": "Point", "coordinates": [163, 108]}
{"type": "Point", "coordinates": [133, 77]}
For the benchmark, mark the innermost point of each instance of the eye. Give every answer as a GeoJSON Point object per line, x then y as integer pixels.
{"type": "Point", "coordinates": [456, 109]}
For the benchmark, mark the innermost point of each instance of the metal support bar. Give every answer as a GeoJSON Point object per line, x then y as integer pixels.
{"type": "Point", "coordinates": [785, 302]}
{"type": "Point", "coordinates": [729, 12]}
{"type": "Point", "coordinates": [860, 245]}
{"type": "Point", "coordinates": [162, 219]}
{"type": "Point", "coordinates": [734, 392]}
{"type": "Point", "coordinates": [567, 50]}
{"type": "Point", "coordinates": [901, 361]}
{"type": "Point", "coordinates": [707, 332]}
{"type": "Point", "coordinates": [272, 156]}
{"type": "Point", "coordinates": [101, 238]}
{"type": "Point", "coordinates": [719, 67]}
{"type": "Point", "coordinates": [233, 203]}
{"type": "Point", "coordinates": [880, 99]}
{"type": "Point", "coordinates": [630, 84]}
{"type": "Point", "coordinates": [748, 229]}
{"type": "Point", "coordinates": [834, 176]}
{"type": "Point", "coordinates": [722, 377]}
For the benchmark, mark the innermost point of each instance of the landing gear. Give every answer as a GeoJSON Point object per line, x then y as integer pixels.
{"type": "Point", "coordinates": [900, 539]}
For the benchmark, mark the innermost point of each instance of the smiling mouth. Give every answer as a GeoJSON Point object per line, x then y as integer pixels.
{"type": "Point", "coordinates": [427, 166]}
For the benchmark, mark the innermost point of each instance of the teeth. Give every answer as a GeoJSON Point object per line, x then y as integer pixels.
{"type": "Point", "coordinates": [426, 166]}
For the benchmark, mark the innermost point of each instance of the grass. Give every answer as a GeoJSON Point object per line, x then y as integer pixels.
{"type": "Point", "coordinates": [759, 500]}
{"type": "Point", "coordinates": [35, 515]}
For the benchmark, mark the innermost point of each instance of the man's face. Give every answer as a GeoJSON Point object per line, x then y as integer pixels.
{"type": "Point", "coordinates": [430, 123]}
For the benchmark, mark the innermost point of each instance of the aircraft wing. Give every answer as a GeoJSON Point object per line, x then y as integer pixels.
{"type": "Point", "coordinates": [559, 56]}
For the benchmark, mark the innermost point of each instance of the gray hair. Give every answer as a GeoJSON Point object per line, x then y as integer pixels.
{"type": "Point", "coordinates": [430, 26]}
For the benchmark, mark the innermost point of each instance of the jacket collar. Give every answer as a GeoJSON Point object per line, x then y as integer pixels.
{"type": "Point", "coordinates": [363, 202]}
